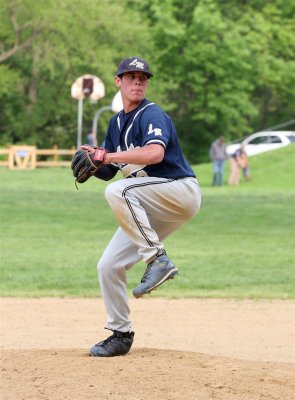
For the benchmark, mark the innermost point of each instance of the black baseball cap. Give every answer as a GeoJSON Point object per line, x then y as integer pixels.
{"type": "Point", "coordinates": [133, 64]}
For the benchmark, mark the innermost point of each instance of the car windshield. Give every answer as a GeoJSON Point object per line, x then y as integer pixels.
{"type": "Point", "coordinates": [239, 140]}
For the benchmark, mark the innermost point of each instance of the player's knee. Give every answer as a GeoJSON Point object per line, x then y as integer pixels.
{"type": "Point", "coordinates": [192, 208]}
{"type": "Point", "coordinates": [107, 265]}
{"type": "Point", "coordinates": [104, 267]}
{"type": "Point", "coordinates": [109, 271]}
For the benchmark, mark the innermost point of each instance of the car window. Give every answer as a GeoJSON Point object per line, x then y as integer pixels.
{"type": "Point", "coordinates": [291, 138]}
{"type": "Point", "coordinates": [274, 139]}
{"type": "Point", "coordinates": [258, 140]}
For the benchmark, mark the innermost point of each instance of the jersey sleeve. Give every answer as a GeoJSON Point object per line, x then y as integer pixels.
{"type": "Point", "coordinates": [106, 172]}
{"type": "Point", "coordinates": [156, 127]}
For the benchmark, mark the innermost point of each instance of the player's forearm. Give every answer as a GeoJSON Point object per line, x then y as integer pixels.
{"type": "Point", "coordinates": [150, 154]}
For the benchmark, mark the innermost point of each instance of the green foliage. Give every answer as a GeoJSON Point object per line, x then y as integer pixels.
{"type": "Point", "coordinates": [70, 41]}
{"type": "Point", "coordinates": [231, 66]}
{"type": "Point", "coordinates": [220, 67]}
{"type": "Point", "coordinates": [240, 245]}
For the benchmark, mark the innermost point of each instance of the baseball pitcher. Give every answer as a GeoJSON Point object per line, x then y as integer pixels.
{"type": "Point", "coordinates": [158, 193]}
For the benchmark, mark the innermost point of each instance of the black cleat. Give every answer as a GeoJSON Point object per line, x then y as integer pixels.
{"type": "Point", "coordinates": [118, 344]}
{"type": "Point", "coordinates": [156, 273]}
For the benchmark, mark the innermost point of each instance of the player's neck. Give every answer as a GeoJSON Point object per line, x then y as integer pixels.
{"type": "Point", "coordinates": [129, 106]}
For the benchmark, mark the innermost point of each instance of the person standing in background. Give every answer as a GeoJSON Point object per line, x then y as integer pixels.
{"type": "Point", "coordinates": [91, 138]}
{"type": "Point", "coordinates": [218, 155]}
{"type": "Point", "coordinates": [244, 164]}
{"type": "Point", "coordinates": [234, 165]}
{"type": "Point", "coordinates": [238, 161]}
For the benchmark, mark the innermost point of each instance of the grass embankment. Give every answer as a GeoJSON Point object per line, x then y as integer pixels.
{"type": "Point", "coordinates": [241, 244]}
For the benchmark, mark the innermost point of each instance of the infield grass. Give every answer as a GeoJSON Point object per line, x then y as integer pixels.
{"type": "Point", "coordinates": [240, 245]}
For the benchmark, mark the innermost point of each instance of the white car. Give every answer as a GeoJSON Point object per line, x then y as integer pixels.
{"type": "Point", "coordinates": [262, 141]}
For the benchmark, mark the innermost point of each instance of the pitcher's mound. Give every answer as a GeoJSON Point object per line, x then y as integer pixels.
{"type": "Point", "coordinates": [184, 350]}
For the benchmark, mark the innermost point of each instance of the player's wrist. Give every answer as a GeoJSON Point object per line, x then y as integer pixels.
{"type": "Point", "coordinates": [107, 159]}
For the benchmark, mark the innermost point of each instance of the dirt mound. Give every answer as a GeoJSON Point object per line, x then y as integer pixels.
{"type": "Point", "coordinates": [183, 349]}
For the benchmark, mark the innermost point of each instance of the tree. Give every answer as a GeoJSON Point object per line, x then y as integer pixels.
{"type": "Point", "coordinates": [230, 65]}
{"type": "Point", "coordinates": [70, 39]}
{"type": "Point", "coordinates": [220, 67]}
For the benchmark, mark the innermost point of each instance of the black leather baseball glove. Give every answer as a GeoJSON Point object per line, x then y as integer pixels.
{"type": "Point", "coordinates": [87, 161]}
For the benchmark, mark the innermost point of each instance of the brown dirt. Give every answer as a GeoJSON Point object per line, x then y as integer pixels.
{"type": "Point", "coordinates": [184, 349]}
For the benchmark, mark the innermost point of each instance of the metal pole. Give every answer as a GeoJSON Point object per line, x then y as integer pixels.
{"type": "Point", "coordinates": [96, 118]}
{"type": "Point", "coordinates": [80, 119]}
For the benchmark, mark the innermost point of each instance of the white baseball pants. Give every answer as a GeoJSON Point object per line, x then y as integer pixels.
{"type": "Point", "coordinates": [147, 209]}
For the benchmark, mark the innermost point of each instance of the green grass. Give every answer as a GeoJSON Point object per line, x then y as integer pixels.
{"type": "Point", "coordinates": [241, 244]}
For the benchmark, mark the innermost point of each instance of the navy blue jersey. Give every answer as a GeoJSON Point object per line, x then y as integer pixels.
{"type": "Point", "coordinates": [147, 124]}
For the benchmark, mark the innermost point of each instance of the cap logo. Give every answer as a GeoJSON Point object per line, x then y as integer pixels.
{"type": "Point", "coordinates": [137, 64]}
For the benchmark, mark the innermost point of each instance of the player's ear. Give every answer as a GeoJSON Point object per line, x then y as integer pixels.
{"type": "Point", "coordinates": [118, 81]}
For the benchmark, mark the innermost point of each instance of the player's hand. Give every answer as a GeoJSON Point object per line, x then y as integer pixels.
{"type": "Point", "coordinates": [90, 149]}
{"type": "Point", "coordinates": [86, 161]}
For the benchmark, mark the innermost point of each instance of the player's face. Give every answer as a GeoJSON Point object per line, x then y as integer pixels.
{"type": "Point", "coordinates": [133, 86]}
